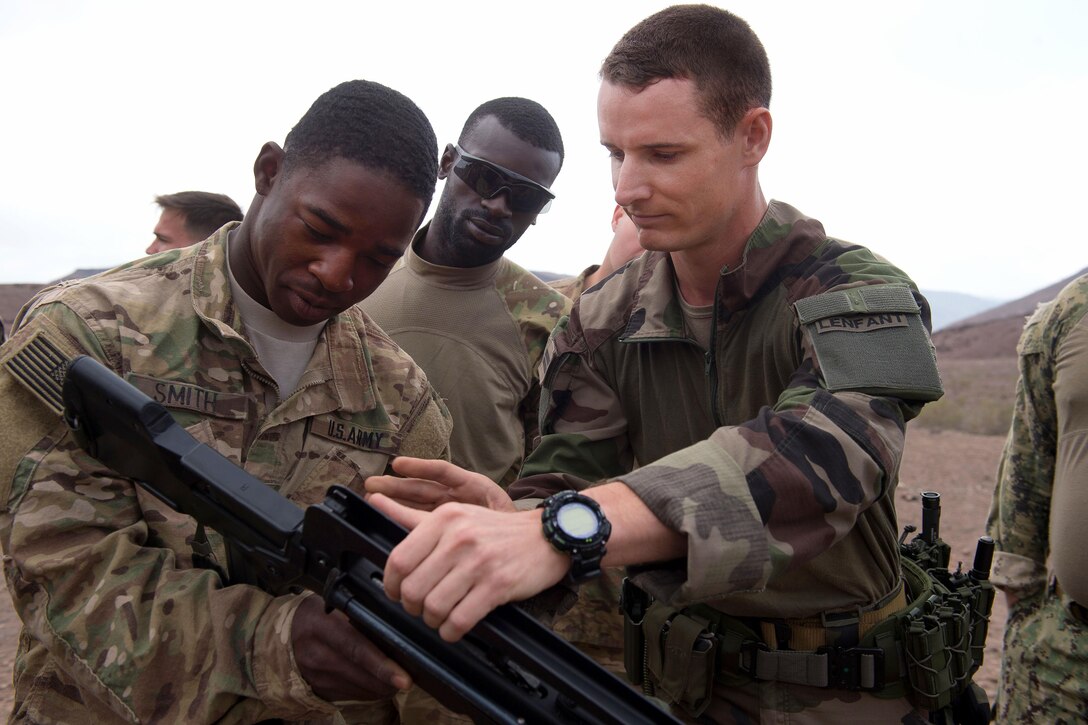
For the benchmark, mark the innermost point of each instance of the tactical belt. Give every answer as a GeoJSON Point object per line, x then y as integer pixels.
{"type": "Point", "coordinates": [916, 643]}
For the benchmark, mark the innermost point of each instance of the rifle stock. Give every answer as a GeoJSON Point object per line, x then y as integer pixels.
{"type": "Point", "coordinates": [509, 669]}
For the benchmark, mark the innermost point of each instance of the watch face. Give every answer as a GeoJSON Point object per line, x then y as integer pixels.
{"type": "Point", "coordinates": [577, 520]}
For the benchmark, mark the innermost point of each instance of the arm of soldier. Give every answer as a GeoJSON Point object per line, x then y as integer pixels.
{"type": "Point", "coordinates": [757, 498]}
{"type": "Point", "coordinates": [113, 606]}
{"type": "Point", "coordinates": [460, 562]}
{"type": "Point", "coordinates": [583, 425]}
{"type": "Point", "coordinates": [1069, 509]}
{"type": "Point", "coordinates": [1020, 509]}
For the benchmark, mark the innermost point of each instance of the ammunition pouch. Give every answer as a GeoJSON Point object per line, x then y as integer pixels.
{"type": "Point", "coordinates": [925, 651]}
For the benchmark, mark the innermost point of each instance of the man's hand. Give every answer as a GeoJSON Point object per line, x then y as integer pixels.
{"type": "Point", "coordinates": [460, 561]}
{"type": "Point", "coordinates": [337, 661]}
{"type": "Point", "coordinates": [427, 484]}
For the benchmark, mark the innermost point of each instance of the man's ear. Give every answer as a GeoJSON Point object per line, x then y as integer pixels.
{"type": "Point", "coordinates": [267, 167]}
{"type": "Point", "coordinates": [445, 163]}
{"type": "Point", "coordinates": [617, 215]}
{"type": "Point", "coordinates": [756, 129]}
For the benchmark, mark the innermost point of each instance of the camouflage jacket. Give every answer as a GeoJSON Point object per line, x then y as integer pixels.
{"type": "Point", "coordinates": [1045, 461]}
{"type": "Point", "coordinates": [479, 333]}
{"type": "Point", "coordinates": [573, 287]}
{"type": "Point", "coordinates": [776, 452]}
{"type": "Point", "coordinates": [119, 626]}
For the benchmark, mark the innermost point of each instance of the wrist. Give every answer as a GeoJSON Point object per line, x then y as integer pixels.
{"type": "Point", "coordinates": [575, 525]}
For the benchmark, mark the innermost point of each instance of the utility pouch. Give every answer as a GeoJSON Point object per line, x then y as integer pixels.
{"type": "Point", "coordinates": [928, 658]}
{"type": "Point", "coordinates": [680, 658]}
{"type": "Point", "coordinates": [633, 603]}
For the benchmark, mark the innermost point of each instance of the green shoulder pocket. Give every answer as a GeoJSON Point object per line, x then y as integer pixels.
{"type": "Point", "coordinates": [871, 340]}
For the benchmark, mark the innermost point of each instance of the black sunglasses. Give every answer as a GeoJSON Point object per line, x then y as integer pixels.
{"type": "Point", "coordinates": [488, 180]}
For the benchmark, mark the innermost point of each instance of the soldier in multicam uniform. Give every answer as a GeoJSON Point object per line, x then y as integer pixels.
{"type": "Point", "coordinates": [474, 320]}
{"type": "Point", "coordinates": [1037, 520]}
{"type": "Point", "coordinates": [253, 342]}
{"type": "Point", "coordinates": [760, 372]}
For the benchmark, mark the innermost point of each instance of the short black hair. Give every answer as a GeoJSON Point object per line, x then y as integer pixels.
{"type": "Point", "coordinates": [528, 120]}
{"type": "Point", "coordinates": [712, 47]}
{"type": "Point", "coordinates": [370, 124]}
{"type": "Point", "coordinates": [203, 211]}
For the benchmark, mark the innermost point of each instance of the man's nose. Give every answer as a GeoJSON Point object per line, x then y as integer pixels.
{"type": "Point", "coordinates": [631, 183]}
{"type": "Point", "coordinates": [498, 206]}
{"type": "Point", "coordinates": [334, 270]}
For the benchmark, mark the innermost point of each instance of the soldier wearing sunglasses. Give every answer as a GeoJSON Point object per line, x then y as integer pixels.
{"type": "Point", "coordinates": [475, 321]}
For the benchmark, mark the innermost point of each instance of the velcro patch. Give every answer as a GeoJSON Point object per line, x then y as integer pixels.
{"type": "Point", "coordinates": [860, 323]}
{"type": "Point", "coordinates": [41, 367]}
{"type": "Point", "coordinates": [895, 359]}
{"type": "Point", "coordinates": [349, 434]}
{"type": "Point", "coordinates": [176, 394]}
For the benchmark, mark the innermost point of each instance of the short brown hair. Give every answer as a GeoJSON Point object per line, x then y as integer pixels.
{"type": "Point", "coordinates": [203, 211]}
{"type": "Point", "coordinates": [711, 47]}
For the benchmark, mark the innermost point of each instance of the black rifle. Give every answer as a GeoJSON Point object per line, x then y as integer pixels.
{"type": "Point", "coordinates": [508, 669]}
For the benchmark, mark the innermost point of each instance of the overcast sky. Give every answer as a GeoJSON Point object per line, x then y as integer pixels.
{"type": "Point", "coordinates": [947, 136]}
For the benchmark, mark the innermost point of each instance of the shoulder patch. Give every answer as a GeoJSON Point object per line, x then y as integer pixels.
{"type": "Point", "coordinates": [871, 339]}
{"type": "Point", "coordinates": [38, 359]}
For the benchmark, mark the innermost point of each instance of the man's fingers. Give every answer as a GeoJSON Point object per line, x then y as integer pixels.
{"type": "Point", "coordinates": [386, 671]}
{"type": "Point", "coordinates": [467, 613]}
{"type": "Point", "coordinates": [437, 470]}
{"type": "Point", "coordinates": [407, 517]}
{"type": "Point", "coordinates": [414, 492]}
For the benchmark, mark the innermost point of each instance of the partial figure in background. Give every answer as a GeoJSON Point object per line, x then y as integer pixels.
{"type": "Point", "coordinates": [595, 624]}
{"type": "Point", "coordinates": [189, 217]}
{"type": "Point", "coordinates": [623, 248]}
{"type": "Point", "coordinates": [1037, 520]}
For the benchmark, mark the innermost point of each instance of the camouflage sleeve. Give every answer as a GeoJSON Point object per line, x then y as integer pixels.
{"type": "Point", "coordinates": [1020, 509]}
{"type": "Point", "coordinates": [121, 614]}
{"type": "Point", "coordinates": [587, 442]}
{"type": "Point", "coordinates": [760, 498]}
{"type": "Point", "coordinates": [537, 319]}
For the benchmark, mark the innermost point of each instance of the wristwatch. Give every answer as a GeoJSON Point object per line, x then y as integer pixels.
{"type": "Point", "coordinates": [574, 524]}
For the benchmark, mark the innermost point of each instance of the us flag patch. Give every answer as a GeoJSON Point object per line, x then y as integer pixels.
{"type": "Point", "coordinates": [41, 368]}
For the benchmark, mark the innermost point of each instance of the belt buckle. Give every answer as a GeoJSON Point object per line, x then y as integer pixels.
{"type": "Point", "coordinates": [746, 657]}
{"type": "Point", "coordinates": [844, 667]}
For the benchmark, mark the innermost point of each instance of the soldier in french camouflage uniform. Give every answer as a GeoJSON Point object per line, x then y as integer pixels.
{"type": "Point", "coordinates": [1038, 519]}
{"type": "Point", "coordinates": [253, 341]}
{"type": "Point", "coordinates": [761, 374]}
{"type": "Point", "coordinates": [475, 321]}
